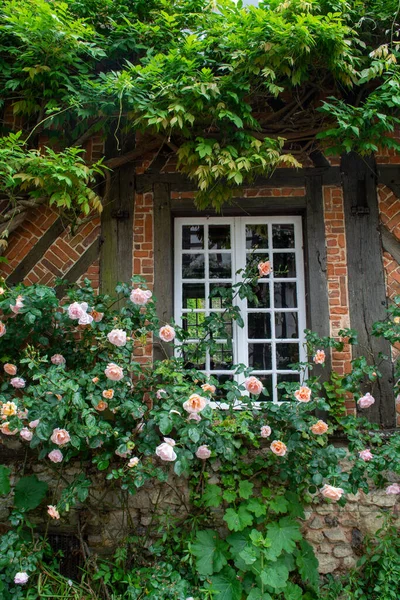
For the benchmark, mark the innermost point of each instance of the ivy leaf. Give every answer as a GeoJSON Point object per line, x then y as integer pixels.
{"type": "Point", "coordinates": [4, 480]}
{"type": "Point", "coordinates": [227, 586]}
{"type": "Point", "coordinates": [307, 563]}
{"type": "Point", "coordinates": [210, 552]}
{"type": "Point", "coordinates": [274, 575]}
{"type": "Point", "coordinates": [245, 489]}
{"type": "Point", "coordinates": [237, 521]}
{"type": "Point", "coordinates": [212, 495]}
{"type": "Point", "coordinates": [283, 535]}
{"type": "Point", "coordinates": [29, 492]}
{"type": "Point", "coordinates": [293, 592]}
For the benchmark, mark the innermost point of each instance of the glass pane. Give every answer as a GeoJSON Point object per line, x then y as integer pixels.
{"type": "Point", "coordinates": [285, 295]}
{"type": "Point", "coordinates": [267, 392]}
{"type": "Point", "coordinates": [260, 357]}
{"type": "Point", "coordinates": [193, 295]}
{"type": "Point", "coordinates": [192, 237]}
{"type": "Point", "coordinates": [220, 295]}
{"type": "Point", "coordinates": [286, 325]}
{"type": "Point", "coordinates": [259, 325]}
{"type": "Point", "coordinates": [261, 290]}
{"type": "Point", "coordinates": [221, 325]}
{"type": "Point", "coordinates": [194, 359]}
{"type": "Point", "coordinates": [254, 258]}
{"type": "Point", "coordinates": [283, 236]}
{"type": "Point", "coordinates": [220, 266]}
{"type": "Point", "coordinates": [256, 236]}
{"type": "Point", "coordinates": [285, 264]}
{"type": "Point", "coordinates": [220, 393]}
{"type": "Point", "coordinates": [193, 324]}
{"type": "Point", "coordinates": [286, 354]}
{"type": "Point", "coordinates": [290, 378]}
{"type": "Point", "coordinates": [219, 237]}
{"type": "Point", "coordinates": [193, 266]}
{"type": "Point", "coordinates": [221, 358]}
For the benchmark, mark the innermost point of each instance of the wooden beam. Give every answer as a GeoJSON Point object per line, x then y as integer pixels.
{"type": "Point", "coordinates": [242, 206]}
{"type": "Point", "coordinates": [86, 259]}
{"type": "Point", "coordinates": [366, 281]}
{"type": "Point", "coordinates": [390, 175]}
{"type": "Point", "coordinates": [390, 243]}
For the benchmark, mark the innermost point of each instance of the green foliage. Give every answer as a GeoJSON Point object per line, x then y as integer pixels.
{"type": "Point", "coordinates": [4, 480]}
{"type": "Point", "coordinates": [29, 492]}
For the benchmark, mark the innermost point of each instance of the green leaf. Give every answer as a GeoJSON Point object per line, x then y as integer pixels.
{"type": "Point", "coordinates": [279, 504]}
{"type": "Point", "coordinates": [256, 506]}
{"type": "Point", "coordinates": [275, 575]}
{"type": "Point", "coordinates": [237, 521]}
{"type": "Point", "coordinates": [165, 424]}
{"type": "Point", "coordinates": [256, 594]}
{"type": "Point", "coordinates": [194, 434]}
{"type": "Point", "coordinates": [245, 489]}
{"type": "Point", "coordinates": [283, 535]}
{"type": "Point", "coordinates": [293, 591]}
{"type": "Point", "coordinates": [210, 552]}
{"type": "Point", "coordinates": [227, 586]}
{"type": "Point", "coordinates": [229, 496]}
{"type": "Point", "coordinates": [212, 495]}
{"type": "Point", "coordinates": [4, 480]}
{"type": "Point", "coordinates": [29, 492]}
{"type": "Point", "coordinates": [307, 563]}
{"type": "Point", "coordinates": [249, 555]}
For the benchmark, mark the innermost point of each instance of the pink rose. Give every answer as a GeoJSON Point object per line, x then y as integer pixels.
{"type": "Point", "coordinates": [18, 305]}
{"type": "Point", "coordinates": [85, 319]}
{"type": "Point", "coordinates": [5, 429]}
{"type": "Point", "coordinates": [166, 451]}
{"type": "Point", "coordinates": [10, 369]}
{"type": "Point", "coordinates": [97, 316]}
{"type": "Point", "coordinates": [26, 434]}
{"type": "Point", "coordinates": [394, 488]}
{"type": "Point", "coordinates": [34, 424]}
{"type": "Point", "coordinates": [366, 401]}
{"type": "Point", "coordinates": [60, 436]}
{"type": "Point", "coordinates": [58, 359]}
{"type": "Point", "coordinates": [278, 448]}
{"type": "Point", "coordinates": [207, 387]}
{"type": "Point", "coordinates": [194, 417]}
{"type": "Point", "coordinates": [117, 337]}
{"type": "Point", "coordinates": [17, 382]}
{"type": "Point", "coordinates": [319, 428]}
{"type": "Point", "coordinates": [333, 493]}
{"type": "Point", "coordinates": [21, 578]}
{"type": "Point", "coordinates": [253, 385]}
{"type": "Point", "coordinates": [56, 456]}
{"type": "Point", "coordinates": [77, 309]}
{"type": "Point", "coordinates": [366, 455]}
{"type": "Point", "coordinates": [133, 462]}
{"type": "Point", "coordinates": [264, 268]}
{"type": "Point", "coordinates": [114, 372]}
{"type": "Point", "coordinates": [52, 511]}
{"type": "Point", "coordinates": [195, 403]}
{"type": "Point", "coordinates": [159, 394]}
{"type": "Point", "coordinates": [123, 454]}
{"type": "Point", "coordinates": [303, 394]}
{"type": "Point", "coordinates": [319, 357]}
{"type": "Point", "coordinates": [167, 333]}
{"type": "Point", "coordinates": [140, 297]}
{"type": "Point", "coordinates": [2, 329]}
{"type": "Point", "coordinates": [265, 431]}
{"type": "Point", "coordinates": [203, 452]}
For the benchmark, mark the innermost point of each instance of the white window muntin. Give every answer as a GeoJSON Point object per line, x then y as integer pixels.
{"type": "Point", "coordinates": [238, 253]}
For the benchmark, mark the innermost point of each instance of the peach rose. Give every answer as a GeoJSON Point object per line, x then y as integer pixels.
{"type": "Point", "coordinates": [97, 316]}
{"type": "Point", "coordinates": [133, 462]}
{"type": "Point", "coordinates": [34, 424]}
{"type": "Point", "coordinates": [166, 333]}
{"type": "Point", "coordinates": [208, 387]}
{"type": "Point", "coordinates": [366, 455]}
{"type": "Point", "coordinates": [56, 456]}
{"type": "Point", "coordinates": [203, 452]}
{"type": "Point", "coordinates": [264, 268]}
{"type": "Point", "coordinates": [9, 409]}
{"type": "Point", "coordinates": [166, 450]}
{"type": "Point", "coordinates": [58, 359]}
{"type": "Point", "coordinates": [95, 380]}
{"type": "Point", "coordinates": [19, 303]}
{"type": "Point", "coordinates": [101, 406]}
{"type": "Point", "coordinates": [366, 401]}
{"type": "Point", "coordinates": [253, 385]}
{"type": "Point", "coordinates": [265, 431]}
{"type": "Point", "coordinates": [10, 369]}
{"type": "Point", "coordinates": [194, 417]}
{"type": "Point", "coordinates": [319, 428]}
{"type": "Point", "coordinates": [303, 394]}
{"type": "Point", "coordinates": [60, 436]}
{"type": "Point", "coordinates": [140, 297]}
{"type": "Point", "coordinates": [278, 448]}
{"type": "Point", "coordinates": [52, 511]}
{"type": "Point", "coordinates": [396, 320]}
{"type": "Point", "coordinates": [195, 403]}
{"type": "Point", "coordinates": [26, 434]}
{"type": "Point", "coordinates": [319, 357]}
{"type": "Point", "coordinates": [117, 337]}
{"type": "Point", "coordinates": [2, 329]}
{"type": "Point", "coordinates": [394, 488]}
{"type": "Point", "coordinates": [114, 372]}
{"type": "Point", "coordinates": [2, 291]}
{"type": "Point", "coordinates": [17, 382]}
{"type": "Point", "coordinates": [108, 394]}
{"type": "Point", "coordinates": [5, 429]}
{"type": "Point", "coordinates": [333, 493]}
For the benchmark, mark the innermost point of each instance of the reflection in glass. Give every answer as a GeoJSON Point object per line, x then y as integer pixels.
{"type": "Point", "coordinates": [260, 357]}
{"type": "Point", "coordinates": [286, 354]}
{"type": "Point", "coordinates": [267, 392]}
{"type": "Point", "coordinates": [193, 295]}
{"type": "Point", "coordinates": [219, 237]}
{"type": "Point", "coordinates": [286, 325]}
{"type": "Point", "coordinates": [256, 236]}
{"type": "Point", "coordinates": [193, 266]}
{"type": "Point", "coordinates": [221, 358]}
{"type": "Point", "coordinates": [262, 293]}
{"type": "Point", "coordinates": [192, 322]}
{"type": "Point", "coordinates": [220, 295]}
{"type": "Point", "coordinates": [283, 236]}
{"type": "Point", "coordinates": [220, 266]}
{"type": "Point", "coordinates": [284, 264]}
{"type": "Point", "coordinates": [259, 325]}
{"type": "Point", "coordinates": [290, 378]}
{"type": "Point", "coordinates": [285, 295]}
{"type": "Point", "coordinates": [193, 237]}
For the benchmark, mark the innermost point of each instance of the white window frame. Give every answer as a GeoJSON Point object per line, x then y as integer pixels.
{"type": "Point", "coordinates": [238, 253]}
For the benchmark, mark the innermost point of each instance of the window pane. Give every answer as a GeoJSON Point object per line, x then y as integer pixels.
{"type": "Point", "coordinates": [262, 292]}
{"type": "Point", "coordinates": [192, 237]}
{"type": "Point", "coordinates": [220, 266]}
{"type": "Point", "coordinates": [256, 236]}
{"type": "Point", "coordinates": [219, 237]}
{"type": "Point", "coordinates": [285, 295]}
{"type": "Point", "coordinates": [193, 266]}
{"type": "Point", "coordinates": [290, 378]}
{"type": "Point", "coordinates": [222, 325]}
{"type": "Point", "coordinates": [286, 325]}
{"type": "Point", "coordinates": [220, 295]}
{"type": "Point", "coordinates": [260, 357]}
{"type": "Point", "coordinates": [221, 358]}
{"type": "Point", "coordinates": [259, 325]}
{"type": "Point", "coordinates": [283, 236]}
{"type": "Point", "coordinates": [194, 359]}
{"type": "Point", "coordinates": [193, 295]}
{"type": "Point", "coordinates": [193, 324]}
{"type": "Point", "coordinates": [254, 258]}
{"type": "Point", "coordinates": [284, 264]}
{"type": "Point", "coordinates": [267, 383]}
{"type": "Point", "coordinates": [286, 354]}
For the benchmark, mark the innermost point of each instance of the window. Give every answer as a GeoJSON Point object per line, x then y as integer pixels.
{"type": "Point", "coordinates": [208, 254]}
